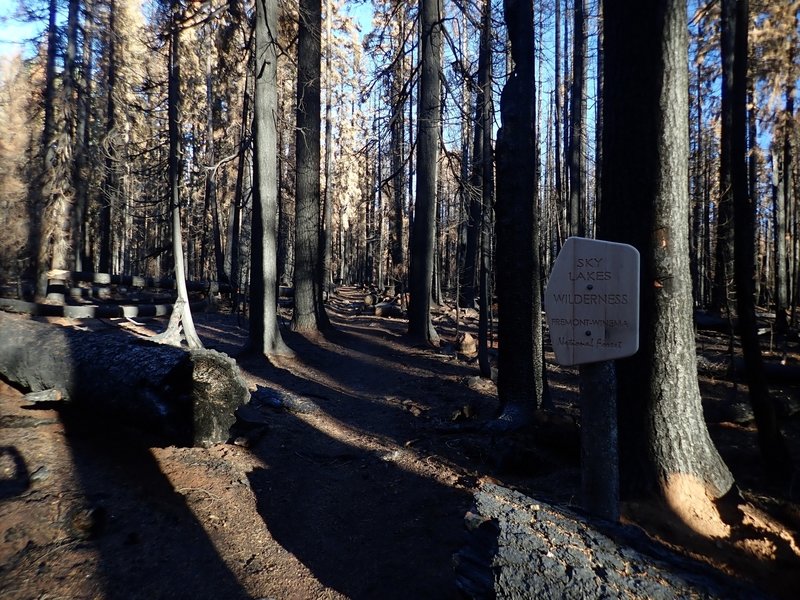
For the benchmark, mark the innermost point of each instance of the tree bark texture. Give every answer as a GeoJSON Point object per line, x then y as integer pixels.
{"type": "Point", "coordinates": [309, 312]}
{"type": "Point", "coordinates": [265, 336]}
{"type": "Point", "coordinates": [724, 288]}
{"type": "Point", "coordinates": [326, 239]}
{"type": "Point", "coordinates": [398, 151]}
{"type": "Point", "coordinates": [779, 224]}
{"type": "Point", "coordinates": [770, 439]}
{"type": "Point", "coordinates": [520, 547]}
{"type": "Point", "coordinates": [173, 112]}
{"type": "Point", "coordinates": [663, 436]}
{"type": "Point", "coordinates": [577, 129]}
{"type": "Point", "coordinates": [80, 153]}
{"type": "Point", "coordinates": [110, 182]}
{"type": "Point", "coordinates": [178, 397]}
{"type": "Point", "coordinates": [519, 379]}
{"type": "Point", "coordinates": [485, 214]}
{"type": "Point", "coordinates": [420, 326]}
{"type": "Point", "coordinates": [235, 220]}
{"type": "Point", "coordinates": [211, 175]}
{"type": "Point", "coordinates": [55, 143]}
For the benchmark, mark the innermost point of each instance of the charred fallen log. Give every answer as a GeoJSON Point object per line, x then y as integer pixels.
{"type": "Point", "coordinates": [519, 547]}
{"type": "Point", "coordinates": [710, 322]}
{"type": "Point", "coordinates": [178, 397]}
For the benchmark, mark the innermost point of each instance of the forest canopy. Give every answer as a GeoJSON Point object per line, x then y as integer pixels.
{"type": "Point", "coordinates": [85, 149]}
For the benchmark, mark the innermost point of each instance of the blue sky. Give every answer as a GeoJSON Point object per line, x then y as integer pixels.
{"type": "Point", "coordinates": [13, 34]}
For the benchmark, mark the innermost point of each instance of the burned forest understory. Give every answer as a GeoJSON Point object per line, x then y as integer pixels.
{"type": "Point", "coordinates": [362, 468]}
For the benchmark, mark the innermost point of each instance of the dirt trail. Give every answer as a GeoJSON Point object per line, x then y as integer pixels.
{"type": "Point", "coordinates": [343, 497]}
{"type": "Point", "coordinates": [348, 480]}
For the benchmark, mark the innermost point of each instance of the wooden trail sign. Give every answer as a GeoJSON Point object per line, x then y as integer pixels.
{"type": "Point", "coordinates": [592, 301]}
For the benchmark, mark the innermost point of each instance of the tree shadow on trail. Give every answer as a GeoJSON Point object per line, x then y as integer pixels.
{"type": "Point", "coordinates": [131, 503]}
{"type": "Point", "coordinates": [363, 525]}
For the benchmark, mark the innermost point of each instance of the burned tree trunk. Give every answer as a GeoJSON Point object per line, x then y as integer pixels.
{"type": "Point", "coordinates": [178, 397]}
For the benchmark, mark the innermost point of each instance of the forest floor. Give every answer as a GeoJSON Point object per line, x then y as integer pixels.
{"type": "Point", "coordinates": [355, 485]}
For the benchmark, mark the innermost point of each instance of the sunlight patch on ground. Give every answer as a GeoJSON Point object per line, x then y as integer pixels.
{"type": "Point", "coordinates": [686, 497]}
{"type": "Point", "coordinates": [404, 458]}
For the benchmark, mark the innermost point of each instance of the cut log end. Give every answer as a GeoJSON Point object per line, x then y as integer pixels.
{"type": "Point", "coordinates": [217, 391]}
{"type": "Point", "coordinates": [51, 395]}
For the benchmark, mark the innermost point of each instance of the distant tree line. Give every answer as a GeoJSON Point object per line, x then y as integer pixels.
{"type": "Point", "coordinates": [448, 151]}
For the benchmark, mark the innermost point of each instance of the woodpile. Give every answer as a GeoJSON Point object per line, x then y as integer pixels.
{"type": "Point", "coordinates": [84, 295]}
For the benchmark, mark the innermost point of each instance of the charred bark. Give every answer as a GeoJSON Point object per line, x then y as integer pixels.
{"type": "Point", "coordinates": [519, 382]}
{"type": "Point", "coordinates": [663, 437]}
{"type": "Point", "coordinates": [309, 311]}
{"type": "Point", "coordinates": [423, 228]}
{"type": "Point", "coordinates": [174, 396]}
{"type": "Point", "coordinates": [770, 439]}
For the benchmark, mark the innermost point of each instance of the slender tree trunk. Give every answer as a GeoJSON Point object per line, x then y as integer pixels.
{"type": "Point", "coordinates": [598, 133]}
{"type": "Point", "coordinates": [50, 73]}
{"type": "Point", "coordinates": [781, 238]}
{"type": "Point", "coordinates": [559, 191]}
{"type": "Point", "coordinates": [265, 336]}
{"type": "Point", "coordinates": [752, 191]}
{"type": "Point", "coordinates": [436, 283]}
{"type": "Point", "coordinates": [723, 276]}
{"type": "Point", "coordinates": [770, 439]}
{"type": "Point", "coordinates": [309, 311]}
{"type": "Point", "coordinates": [326, 241]}
{"type": "Point", "coordinates": [565, 119]}
{"type": "Point", "coordinates": [110, 183]}
{"type": "Point", "coordinates": [72, 96]}
{"type": "Point", "coordinates": [182, 309]}
{"type": "Point", "coordinates": [698, 191]}
{"type": "Point", "coordinates": [235, 224]}
{"type": "Point", "coordinates": [41, 241]}
{"type": "Point", "coordinates": [519, 380]}
{"type": "Point", "coordinates": [211, 184]}
{"type": "Point", "coordinates": [379, 215]}
{"type": "Point", "coordinates": [420, 326]}
{"type": "Point", "coordinates": [782, 203]}
{"type": "Point", "coordinates": [485, 121]}
{"type": "Point", "coordinates": [474, 224]}
{"type": "Point", "coordinates": [577, 130]}
{"type": "Point", "coordinates": [370, 186]}
{"type": "Point", "coordinates": [397, 142]}
{"type": "Point", "coordinates": [82, 133]}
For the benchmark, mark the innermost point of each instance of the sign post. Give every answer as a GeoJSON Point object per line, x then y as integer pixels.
{"type": "Point", "coordinates": [592, 308]}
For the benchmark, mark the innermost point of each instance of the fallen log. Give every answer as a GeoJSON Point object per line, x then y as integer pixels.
{"type": "Point", "coordinates": [178, 397]}
{"type": "Point", "coordinates": [710, 322]}
{"type": "Point", "coordinates": [388, 309]}
{"type": "Point", "coordinates": [519, 547]}
{"type": "Point", "coordinates": [93, 311]}
{"type": "Point", "coordinates": [144, 282]}
{"type": "Point", "coordinates": [774, 372]}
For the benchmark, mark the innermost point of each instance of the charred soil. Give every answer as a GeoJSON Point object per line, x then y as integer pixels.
{"type": "Point", "coordinates": [348, 475]}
